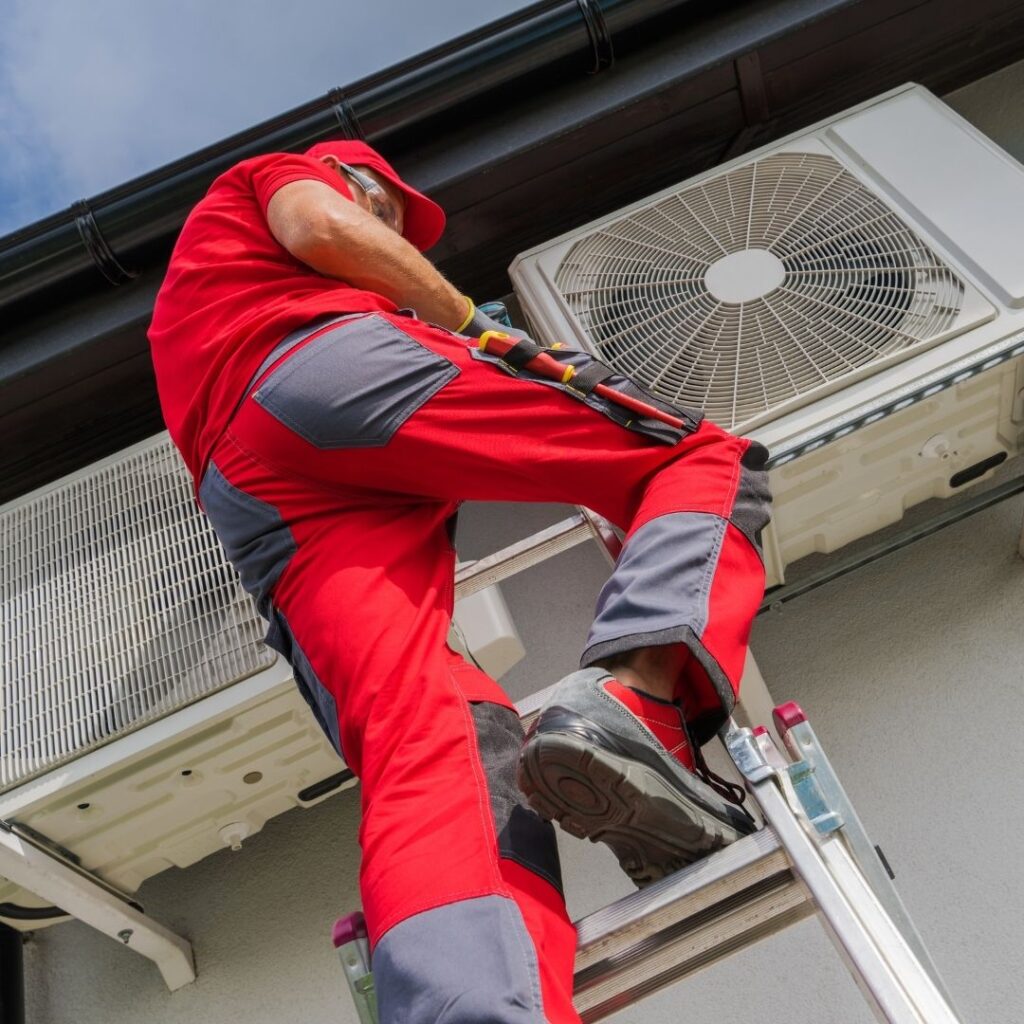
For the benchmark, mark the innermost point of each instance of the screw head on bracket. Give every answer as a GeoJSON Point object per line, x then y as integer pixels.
{"type": "Point", "coordinates": [937, 446]}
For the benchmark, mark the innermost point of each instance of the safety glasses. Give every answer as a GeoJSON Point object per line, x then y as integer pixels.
{"type": "Point", "coordinates": [381, 204]}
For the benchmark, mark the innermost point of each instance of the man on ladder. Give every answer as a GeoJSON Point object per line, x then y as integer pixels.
{"type": "Point", "coordinates": [326, 388]}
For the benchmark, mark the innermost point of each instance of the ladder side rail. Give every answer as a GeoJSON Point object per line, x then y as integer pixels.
{"type": "Point", "coordinates": [895, 984]}
{"type": "Point", "coordinates": [929, 998]}
{"type": "Point", "coordinates": [802, 744]}
{"type": "Point", "coordinates": [352, 944]}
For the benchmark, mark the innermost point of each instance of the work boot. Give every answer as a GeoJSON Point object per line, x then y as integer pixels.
{"type": "Point", "coordinates": [591, 764]}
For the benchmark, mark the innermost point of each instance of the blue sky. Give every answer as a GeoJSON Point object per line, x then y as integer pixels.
{"type": "Point", "coordinates": [93, 94]}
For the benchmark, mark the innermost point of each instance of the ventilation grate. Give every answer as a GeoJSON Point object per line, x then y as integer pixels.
{"type": "Point", "coordinates": [117, 608]}
{"type": "Point", "coordinates": [757, 287]}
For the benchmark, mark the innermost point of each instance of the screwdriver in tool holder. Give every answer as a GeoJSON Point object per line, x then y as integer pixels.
{"type": "Point", "coordinates": [498, 343]}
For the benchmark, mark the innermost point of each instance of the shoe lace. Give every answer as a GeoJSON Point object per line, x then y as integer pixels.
{"type": "Point", "coordinates": [731, 791]}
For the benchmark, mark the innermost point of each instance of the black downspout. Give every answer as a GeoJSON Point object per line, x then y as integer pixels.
{"type": "Point", "coordinates": [12, 977]}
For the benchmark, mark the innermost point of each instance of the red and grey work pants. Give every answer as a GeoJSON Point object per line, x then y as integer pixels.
{"type": "Point", "coordinates": [334, 492]}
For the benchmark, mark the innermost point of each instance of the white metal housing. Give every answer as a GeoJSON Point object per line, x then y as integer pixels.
{"type": "Point", "coordinates": [851, 296]}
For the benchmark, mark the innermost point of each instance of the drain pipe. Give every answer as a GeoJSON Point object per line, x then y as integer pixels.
{"type": "Point", "coordinates": [12, 978]}
{"type": "Point", "coordinates": [121, 231]}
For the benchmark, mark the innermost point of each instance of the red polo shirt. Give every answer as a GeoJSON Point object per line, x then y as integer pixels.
{"type": "Point", "coordinates": [231, 293]}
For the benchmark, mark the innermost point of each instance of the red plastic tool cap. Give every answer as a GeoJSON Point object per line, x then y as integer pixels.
{"type": "Point", "coordinates": [787, 715]}
{"type": "Point", "coordinates": [348, 929]}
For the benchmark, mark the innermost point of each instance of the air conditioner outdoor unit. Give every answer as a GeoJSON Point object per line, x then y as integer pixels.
{"type": "Point", "coordinates": [143, 723]}
{"type": "Point", "coordinates": [852, 296]}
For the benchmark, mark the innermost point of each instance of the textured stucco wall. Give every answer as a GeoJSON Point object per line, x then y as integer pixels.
{"type": "Point", "coordinates": [912, 669]}
{"type": "Point", "coordinates": [993, 105]}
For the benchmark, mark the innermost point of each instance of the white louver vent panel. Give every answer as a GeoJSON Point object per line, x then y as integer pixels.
{"type": "Point", "coordinates": [759, 289]}
{"type": "Point", "coordinates": [117, 607]}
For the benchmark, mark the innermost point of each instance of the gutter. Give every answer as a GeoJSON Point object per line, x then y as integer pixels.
{"type": "Point", "coordinates": [118, 232]}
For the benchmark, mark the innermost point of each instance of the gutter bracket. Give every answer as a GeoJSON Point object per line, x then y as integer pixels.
{"type": "Point", "coordinates": [345, 114]}
{"type": "Point", "coordinates": [754, 102]}
{"type": "Point", "coordinates": [33, 868]}
{"type": "Point", "coordinates": [600, 37]}
{"type": "Point", "coordinates": [753, 95]}
{"type": "Point", "coordinates": [96, 245]}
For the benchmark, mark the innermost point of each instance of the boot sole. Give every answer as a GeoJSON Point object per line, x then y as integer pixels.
{"type": "Point", "coordinates": [595, 794]}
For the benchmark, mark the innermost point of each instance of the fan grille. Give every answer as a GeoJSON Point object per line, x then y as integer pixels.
{"type": "Point", "coordinates": [831, 280]}
{"type": "Point", "coordinates": [117, 607]}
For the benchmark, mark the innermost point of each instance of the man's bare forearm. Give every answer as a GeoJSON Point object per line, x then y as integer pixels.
{"type": "Point", "coordinates": [338, 239]}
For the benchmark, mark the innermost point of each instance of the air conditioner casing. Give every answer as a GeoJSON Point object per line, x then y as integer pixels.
{"type": "Point", "coordinates": [851, 453]}
{"type": "Point", "coordinates": [143, 722]}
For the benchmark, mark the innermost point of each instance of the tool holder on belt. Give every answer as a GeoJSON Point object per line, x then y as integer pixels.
{"type": "Point", "coordinates": [583, 381]}
{"type": "Point", "coordinates": [525, 354]}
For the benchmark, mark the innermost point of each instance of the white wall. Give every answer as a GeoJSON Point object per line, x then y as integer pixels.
{"type": "Point", "coordinates": [912, 671]}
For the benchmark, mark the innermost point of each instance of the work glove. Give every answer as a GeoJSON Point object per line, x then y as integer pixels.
{"type": "Point", "coordinates": [491, 316]}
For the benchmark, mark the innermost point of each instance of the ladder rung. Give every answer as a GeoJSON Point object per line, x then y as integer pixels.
{"type": "Point", "coordinates": [523, 554]}
{"type": "Point", "coordinates": [686, 922]}
{"type": "Point", "coordinates": [529, 707]}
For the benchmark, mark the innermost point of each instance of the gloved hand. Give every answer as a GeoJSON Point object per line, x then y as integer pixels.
{"type": "Point", "coordinates": [477, 322]}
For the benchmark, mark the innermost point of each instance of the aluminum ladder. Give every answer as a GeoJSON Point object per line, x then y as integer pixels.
{"type": "Point", "coordinates": [812, 856]}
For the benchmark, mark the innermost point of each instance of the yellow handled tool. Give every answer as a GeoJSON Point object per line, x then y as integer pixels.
{"type": "Point", "coordinates": [498, 343]}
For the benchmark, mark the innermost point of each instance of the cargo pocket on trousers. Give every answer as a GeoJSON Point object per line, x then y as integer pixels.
{"type": "Point", "coordinates": [355, 385]}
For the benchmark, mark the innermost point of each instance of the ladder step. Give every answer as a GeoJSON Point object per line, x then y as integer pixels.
{"type": "Point", "coordinates": [675, 927]}
{"type": "Point", "coordinates": [523, 554]}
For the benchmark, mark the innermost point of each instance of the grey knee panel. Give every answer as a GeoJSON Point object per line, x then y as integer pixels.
{"type": "Point", "coordinates": [470, 962]}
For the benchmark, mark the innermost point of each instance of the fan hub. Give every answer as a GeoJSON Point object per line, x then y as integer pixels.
{"type": "Point", "coordinates": [744, 275]}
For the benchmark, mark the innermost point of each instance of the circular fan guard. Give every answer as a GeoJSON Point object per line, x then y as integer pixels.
{"type": "Point", "coordinates": [857, 285]}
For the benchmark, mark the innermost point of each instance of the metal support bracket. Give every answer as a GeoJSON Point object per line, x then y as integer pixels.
{"type": "Point", "coordinates": [813, 802]}
{"type": "Point", "coordinates": [745, 752]}
{"type": "Point", "coordinates": [97, 246]}
{"type": "Point", "coordinates": [38, 871]}
{"type": "Point", "coordinates": [600, 37]}
{"type": "Point", "coordinates": [348, 122]}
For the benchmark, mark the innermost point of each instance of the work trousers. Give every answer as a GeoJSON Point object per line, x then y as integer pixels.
{"type": "Point", "coordinates": [334, 492]}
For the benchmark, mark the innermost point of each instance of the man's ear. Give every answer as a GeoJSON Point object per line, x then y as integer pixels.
{"type": "Point", "coordinates": [356, 195]}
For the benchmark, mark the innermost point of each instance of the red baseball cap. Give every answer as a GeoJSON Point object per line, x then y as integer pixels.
{"type": "Point", "coordinates": [424, 219]}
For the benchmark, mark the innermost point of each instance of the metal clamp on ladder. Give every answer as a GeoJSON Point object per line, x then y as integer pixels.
{"type": "Point", "coordinates": [812, 857]}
